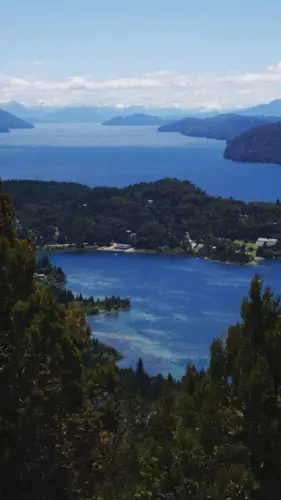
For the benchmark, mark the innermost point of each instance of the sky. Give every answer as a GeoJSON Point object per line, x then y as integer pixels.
{"type": "Point", "coordinates": [161, 53]}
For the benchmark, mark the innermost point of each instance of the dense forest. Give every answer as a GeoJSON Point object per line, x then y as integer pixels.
{"type": "Point", "coordinates": [223, 127]}
{"type": "Point", "coordinates": [258, 145]}
{"type": "Point", "coordinates": [168, 215]}
{"type": "Point", "coordinates": [75, 427]}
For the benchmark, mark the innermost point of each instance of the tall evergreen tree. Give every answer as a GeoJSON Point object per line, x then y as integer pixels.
{"type": "Point", "coordinates": [50, 433]}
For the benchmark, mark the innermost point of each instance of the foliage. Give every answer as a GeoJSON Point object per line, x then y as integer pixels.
{"type": "Point", "coordinates": [225, 251]}
{"type": "Point", "coordinates": [50, 431]}
{"type": "Point", "coordinates": [91, 305]}
{"type": "Point", "coordinates": [151, 216]}
{"type": "Point", "coordinates": [53, 275]}
{"type": "Point", "coordinates": [258, 145]}
{"type": "Point", "coordinates": [74, 426]}
{"type": "Point", "coordinates": [54, 278]}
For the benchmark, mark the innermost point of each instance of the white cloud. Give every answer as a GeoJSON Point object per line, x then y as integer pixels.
{"type": "Point", "coordinates": [38, 62]}
{"type": "Point", "coordinates": [162, 88]}
{"type": "Point", "coordinates": [35, 62]}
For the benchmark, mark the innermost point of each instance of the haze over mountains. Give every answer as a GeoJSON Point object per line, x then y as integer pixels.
{"type": "Point", "coordinates": [87, 114]}
{"type": "Point", "coordinates": [221, 127]}
{"type": "Point", "coordinates": [272, 108]}
{"type": "Point", "coordinates": [9, 121]}
{"type": "Point", "coordinates": [137, 119]}
{"type": "Point", "coordinates": [252, 134]}
{"type": "Point", "coordinates": [100, 114]}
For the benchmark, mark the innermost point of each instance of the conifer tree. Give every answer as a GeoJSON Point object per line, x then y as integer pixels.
{"type": "Point", "coordinates": [50, 433]}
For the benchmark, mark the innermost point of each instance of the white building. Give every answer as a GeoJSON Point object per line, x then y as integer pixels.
{"type": "Point", "coordinates": [268, 242]}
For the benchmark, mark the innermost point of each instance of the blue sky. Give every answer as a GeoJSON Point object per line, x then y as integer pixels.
{"type": "Point", "coordinates": [91, 51]}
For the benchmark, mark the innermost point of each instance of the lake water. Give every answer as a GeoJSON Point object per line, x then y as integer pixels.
{"type": "Point", "coordinates": [118, 156]}
{"type": "Point", "coordinates": [179, 304]}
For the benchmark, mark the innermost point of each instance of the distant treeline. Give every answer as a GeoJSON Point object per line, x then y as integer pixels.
{"type": "Point", "coordinates": [152, 216]}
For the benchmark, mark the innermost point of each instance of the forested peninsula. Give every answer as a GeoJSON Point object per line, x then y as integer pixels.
{"type": "Point", "coordinates": [163, 216]}
{"type": "Point", "coordinates": [54, 278]}
{"type": "Point", "coordinates": [258, 145]}
{"type": "Point", "coordinates": [222, 127]}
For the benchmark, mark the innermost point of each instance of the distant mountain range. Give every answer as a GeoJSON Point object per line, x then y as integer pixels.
{"type": "Point", "coordinates": [9, 121]}
{"type": "Point", "coordinates": [272, 108]}
{"type": "Point", "coordinates": [222, 127]}
{"type": "Point", "coordinates": [102, 114]}
{"type": "Point", "coordinates": [258, 145]}
{"type": "Point", "coordinates": [137, 119]}
{"type": "Point", "coordinates": [73, 115]}
{"type": "Point", "coordinates": [92, 114]}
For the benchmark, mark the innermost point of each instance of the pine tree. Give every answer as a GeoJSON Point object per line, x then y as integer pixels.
{"type": "Point", "coordinates": [50, 433]}
{"type": "Point", "coordinates": [249, 364]}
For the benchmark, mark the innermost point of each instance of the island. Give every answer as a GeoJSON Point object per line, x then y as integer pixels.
{"type": "Point", "coordinates": [8, 121]}
{"type": "Point", "coordinates": [258, 145]}
{"type": "Point", "coordinates": [137, 119]}
{"type": "Point", "coordinates": [220, 127]}
{"type": "Point", "coordinates": [163, 216]}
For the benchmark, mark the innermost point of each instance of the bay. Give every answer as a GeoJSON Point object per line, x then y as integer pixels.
{"type": "Point", "coordinates": [179, 304]}
{"type": "Point", "coordinates": [117, 156]}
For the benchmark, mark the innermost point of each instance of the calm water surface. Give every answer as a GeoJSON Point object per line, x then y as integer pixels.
{"type": "Point", "coordinates": [179, 304]}
{"type": "Point", "coordinates": [117, 156]}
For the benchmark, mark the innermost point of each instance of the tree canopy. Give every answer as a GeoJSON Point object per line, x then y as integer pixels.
{"type": "Point", "coordinates": [160, 216]}
{"type": "Point", "coordinates": [259, 145]}
{"type": "Point", "coordinates": [73, 426]}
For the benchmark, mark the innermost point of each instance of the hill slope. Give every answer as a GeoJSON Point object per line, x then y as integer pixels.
{"type": "Point", "coordinates": [136, 119]}
{"type": "Point", "coordinates": [8, 121]}
{"type": "Point", "coordinates": [222, 127]}
{"type": "Point", "coordinates": [154, 216]}
{"type": "Point", "coordinates": [272, 108]}
{"type": "Point", "coordinates": [31, 114]}
{"type": "Point", "coordinates": [258, 145]}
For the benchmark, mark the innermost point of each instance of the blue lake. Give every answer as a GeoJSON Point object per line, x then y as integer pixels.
{"type": "Point", "coordinates": [118, 156]}
{"type": "Point", "coordinates": [179, 304]}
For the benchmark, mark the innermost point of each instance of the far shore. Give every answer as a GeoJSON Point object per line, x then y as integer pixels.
{"type": "Point", "coordinates": [114, 248]}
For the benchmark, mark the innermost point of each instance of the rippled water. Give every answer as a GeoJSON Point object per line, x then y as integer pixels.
{"type": "Point", "coordinates": [179, 304]}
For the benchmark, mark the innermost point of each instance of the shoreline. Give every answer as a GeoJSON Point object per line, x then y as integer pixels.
{"type": "Point", "coordinates": [110, 311]}
{"type": "Point", "coordinates": [112, 249]}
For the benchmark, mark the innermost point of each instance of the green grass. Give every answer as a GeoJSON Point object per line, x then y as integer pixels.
{"type": "Point", "coordinates": [251, 248]}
